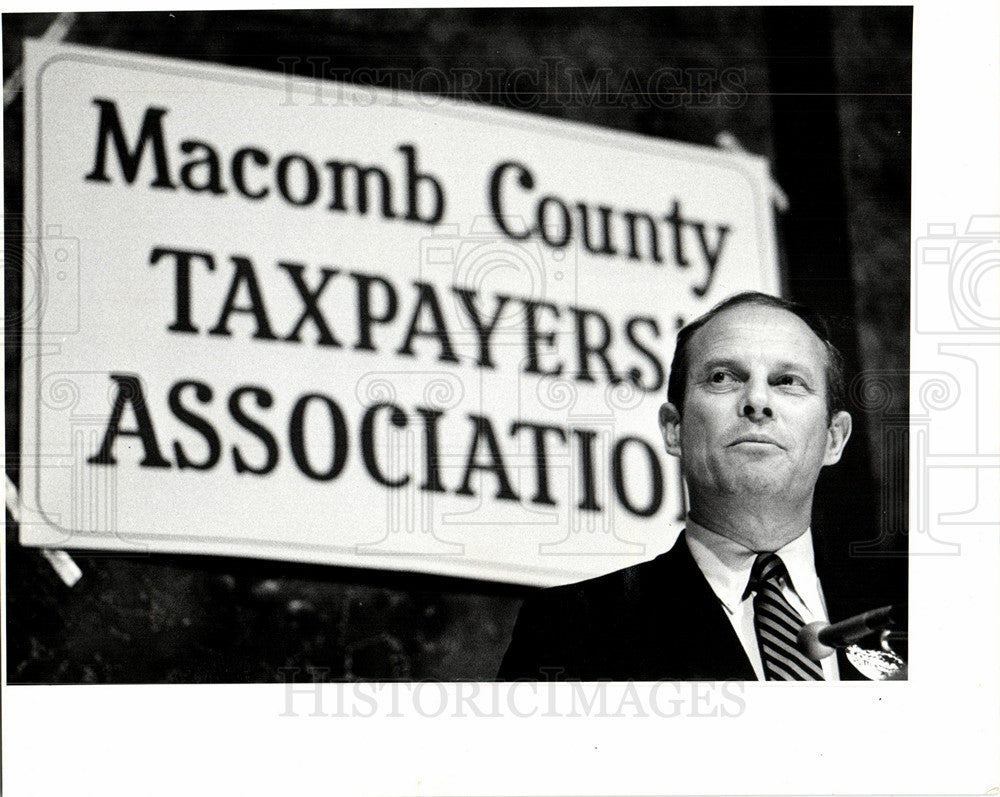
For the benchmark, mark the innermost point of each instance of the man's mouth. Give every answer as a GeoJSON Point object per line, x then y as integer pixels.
{"type": "Point", "coordinates": [761, 439]}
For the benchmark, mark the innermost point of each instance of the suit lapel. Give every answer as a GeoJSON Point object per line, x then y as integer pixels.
{"type": "Point", "coordinates": [680, 609]}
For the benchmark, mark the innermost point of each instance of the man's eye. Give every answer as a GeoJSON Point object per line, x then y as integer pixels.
{"type": "Point", "coordinates": [790, 380]}
{"type": "Point", "coordinates": [721, 378]}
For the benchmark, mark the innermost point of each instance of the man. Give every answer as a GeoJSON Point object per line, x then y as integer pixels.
{"type": "Point", "coordinates": [755, 411]}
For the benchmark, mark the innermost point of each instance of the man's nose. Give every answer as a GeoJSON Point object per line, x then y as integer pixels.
{"type": "Point", "coordinates": [757, 399]}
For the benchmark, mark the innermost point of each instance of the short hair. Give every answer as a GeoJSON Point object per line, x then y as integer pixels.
{"type": "Point", "coordinates": [835, 387]}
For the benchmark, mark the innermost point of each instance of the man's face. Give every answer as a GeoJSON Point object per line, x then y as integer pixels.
{"type": "Point", "coordinates": [755, 410]}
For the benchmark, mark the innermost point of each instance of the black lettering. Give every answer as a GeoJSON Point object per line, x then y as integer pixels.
{"type": "Point", "coordinates": [483, 330]}
{"type": "Point", "coordinates": [542, 495]}
{"type": "Point", "coordinates": [297, 435]}
{"type": "Point", "coordinates": [263, 400]}
{"type": "Point", "coordinates": [654, 238]}
{"type": "Point", "coordinates": [238, 171]}
{"type": "Point", "coordinates": [130, 394]}
{"type": "Point", "coordinates": [203, 393]}
{"type": "Point", "coordinates": [533, 337]}
{"type": "Point", "coordinates": [366, 318]}
{"type": "Point", "coordinates": [361, 175]}
{"type": "Point", "coordinates": [428, 298]}
{"type": "Point", "coordinates": [588, 482]}
{"type": "Point", "coordinates": [308, 171]}
{"type": "Point", "coordinates": [398, 419]}
{"type": "Point", "coordinates": [585, 349]}
{"type": "Point", "coordinates": [712, 254]}
{"type": "Point", "coordinates": [655, 477]}
{"type": "Point", "coordinates": [635, 374]}
{"type": "Point", "coordinates": [182, 283]}
{"type": "Point", "coordinates": [677, 221]}
{"type": "Point", "coordinates": [556, 234]}
{"type": "Point", "coordinates": [110, 127]}
{"type": "Point", "coordinates": [244, 275]}
{"type": "Point", "coordinates": [483, 430]}
{"type": "Point", "coordinates": [310, 304]}
{"type": "Point", "coordinates": [413, 180]}
{"type": "Point", "coordinates": [432, 459]}
{"type": "Point", "coordinates": [526, 181]}
{"type": "Point", "coordinates": [209, 162]}
{"type": "Point", "coordinates": [607, 246]}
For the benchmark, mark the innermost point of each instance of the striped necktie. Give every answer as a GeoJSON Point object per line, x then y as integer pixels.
{"type": "Point", "coordinates": [778, 624]}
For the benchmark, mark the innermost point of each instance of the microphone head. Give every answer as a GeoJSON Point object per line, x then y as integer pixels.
{"type": "Point", "coordinates": [808, 641]}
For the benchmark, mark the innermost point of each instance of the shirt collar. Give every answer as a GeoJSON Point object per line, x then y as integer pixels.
{"type": "Point", "coordinates": [727, 564]}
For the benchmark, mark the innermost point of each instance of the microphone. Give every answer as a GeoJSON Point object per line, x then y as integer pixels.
{"type": "Point", "coordinates": [818, 640]}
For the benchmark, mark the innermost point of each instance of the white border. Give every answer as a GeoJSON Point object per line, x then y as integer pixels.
{"type": "Point", "coordinates": [938, 733]}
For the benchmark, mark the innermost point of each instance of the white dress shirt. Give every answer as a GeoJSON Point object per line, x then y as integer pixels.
{"type": "Point", "coordinates": [727, 564]}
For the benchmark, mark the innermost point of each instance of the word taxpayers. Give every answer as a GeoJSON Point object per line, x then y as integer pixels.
{"type": "Point", "coordinates": [362, 312]}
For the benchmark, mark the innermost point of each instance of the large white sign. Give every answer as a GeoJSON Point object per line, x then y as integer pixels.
{"type": "Point", "coordinates": [310, 321]}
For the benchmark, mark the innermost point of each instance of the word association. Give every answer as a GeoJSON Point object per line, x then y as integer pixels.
{"type": "Point", "coordinates": [379, 436]}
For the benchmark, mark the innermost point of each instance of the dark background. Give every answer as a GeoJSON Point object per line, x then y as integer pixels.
{"type": "Point", "coordinates": [824, 93]}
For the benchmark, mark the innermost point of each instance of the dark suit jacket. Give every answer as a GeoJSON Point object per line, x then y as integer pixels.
{"type": "Point", "coordinates": [658, 620]}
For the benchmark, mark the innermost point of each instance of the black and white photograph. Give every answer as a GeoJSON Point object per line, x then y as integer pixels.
{"type": "Point", "coordinates": [571, 383]}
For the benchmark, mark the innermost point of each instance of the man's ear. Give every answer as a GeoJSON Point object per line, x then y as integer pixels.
{"type": "Point", "coordinates": [670, 426]}
{"type": "Point", "coordinates": [837, 435]}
